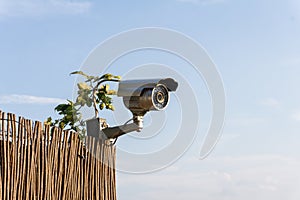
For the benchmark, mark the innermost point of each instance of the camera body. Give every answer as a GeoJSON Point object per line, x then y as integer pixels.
{"type": "Point", "coordinates": [141, 96]}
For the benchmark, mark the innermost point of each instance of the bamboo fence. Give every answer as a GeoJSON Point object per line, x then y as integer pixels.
{"type": "Point", "coordinates": [42, 162]}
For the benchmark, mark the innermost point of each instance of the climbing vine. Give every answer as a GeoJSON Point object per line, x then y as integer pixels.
{"type": "Point", "coordinates": [91, 93]}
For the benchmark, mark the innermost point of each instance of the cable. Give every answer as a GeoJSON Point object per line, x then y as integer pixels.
{"type": "Point", "coordinates": [115, 140]}
{"type": "Point", "coordinates": [128, 121]}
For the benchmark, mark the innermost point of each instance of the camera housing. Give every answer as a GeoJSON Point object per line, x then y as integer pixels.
{"type": "Point", "coordinates": [141, 96]}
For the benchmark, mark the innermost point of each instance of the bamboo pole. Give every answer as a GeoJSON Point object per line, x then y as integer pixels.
{"type": "Point", "coordinates": [41, 162]}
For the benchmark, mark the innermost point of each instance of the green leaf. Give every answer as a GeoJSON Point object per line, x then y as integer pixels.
{"type": "Point", "coordinates": [48, 121]}
{"type": "Point", "coordinates": [83, 86]}
{"type": "Point", "coordinates": [106, 88]}
{"type": "Point", "coordinates": [111, 92]}
{"type": "Point", "coordinates": [118, 77]}
{"type": "Point", "coordinates": [111, 107]}
{"type": "Point", "coordinates": [80, 73]}
{"type": "Point", "coordinates": [70, 102]}
{"type": "Point", "coordinates": [61, 107]}
{"type": "Point", "coordinates": [81, 101]}
{"type": "Point", "coordinates": [89, 102]}
{"type": "Point", "coordinates": [61, 124]}
{"type": "Point", "coordinates": [101, 106]}
{"type": "Point", "coordinates": [108, 76]}
{"type": "Point", "coordinates": [91, 79]}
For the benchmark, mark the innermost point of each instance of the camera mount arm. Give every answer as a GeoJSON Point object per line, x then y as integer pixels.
{"type": "Point", "coordinates": [116, 131]}
{"type": "Point", "coordinates": [98, 128]}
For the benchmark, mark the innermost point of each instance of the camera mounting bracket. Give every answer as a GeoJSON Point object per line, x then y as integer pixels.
{"type": "Point", "coordinates": [98, 128]}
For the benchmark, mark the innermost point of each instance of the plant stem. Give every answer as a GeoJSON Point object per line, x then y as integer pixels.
{"type": "Point", "coordinates": [94, 94]}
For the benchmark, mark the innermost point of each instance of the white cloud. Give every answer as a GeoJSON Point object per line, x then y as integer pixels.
{"type": "Point", "coordinates": [9, 8]}
{"type": "Point", "coordinates": [27, 99]}
{"type": "Point", "coordinates": [245, 121]}
{"type": "Point", "coordinates": [270, 102]}
{"type": "Point", "coordinates": [273, 177]}
{"type": "Point", "coordinates": [296, 116]}
{"type": "Point", "coordinates": [202, 2]}
{"type": "Point", "coordinates": [291, 62]}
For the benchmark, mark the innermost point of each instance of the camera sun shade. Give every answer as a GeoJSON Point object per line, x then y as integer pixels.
{"type": "Point", "coordinates": [135, 87]}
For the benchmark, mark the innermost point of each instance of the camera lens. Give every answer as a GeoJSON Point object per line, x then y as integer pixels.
{"type": "Point", "coordinates": [160, 97]}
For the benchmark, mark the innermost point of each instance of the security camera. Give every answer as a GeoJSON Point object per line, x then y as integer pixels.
{"type": "Point", "coordinates": [141, 96]}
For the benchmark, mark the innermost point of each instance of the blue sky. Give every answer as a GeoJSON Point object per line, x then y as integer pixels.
{"type": "Point", "coordinates": [255, 44]}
